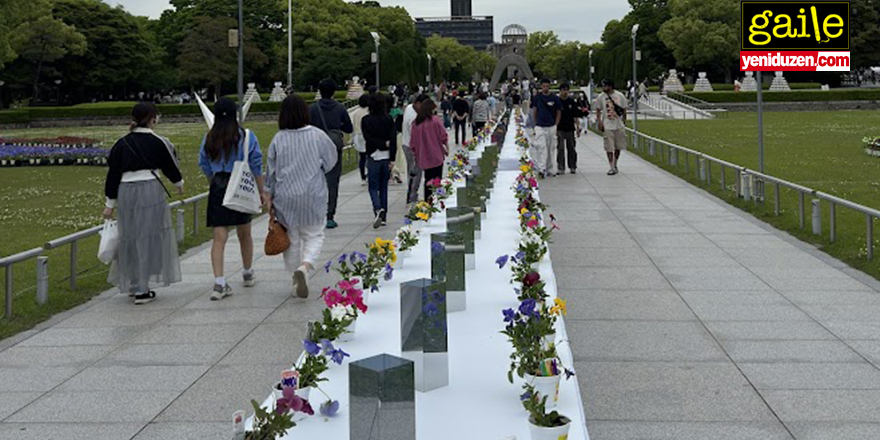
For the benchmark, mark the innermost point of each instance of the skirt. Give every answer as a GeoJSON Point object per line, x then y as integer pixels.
{"type": "Point", "coordinates": [219, 215]}
{"type": "Point", "coordinates": [147, 250]}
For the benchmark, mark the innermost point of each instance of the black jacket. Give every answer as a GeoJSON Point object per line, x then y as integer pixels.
{"type": "Point", "coordinates": [143, 151]}
{"type": "Point", "coordinates": [334, 113]}
{"type": "Point", "coordinates": [380, 135]}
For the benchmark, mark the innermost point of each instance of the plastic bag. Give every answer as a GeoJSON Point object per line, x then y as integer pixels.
{"type": "Point", "coordinates": [109, 242]}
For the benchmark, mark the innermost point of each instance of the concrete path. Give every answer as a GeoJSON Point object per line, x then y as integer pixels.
{"type": "Point", "coordinates": [179, 367]}
{"type": "Point", "coordinates": [691, 320]}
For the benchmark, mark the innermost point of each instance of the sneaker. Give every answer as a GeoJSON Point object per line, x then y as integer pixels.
{"type": "Point", "coordinates": [249, 279]}
{"type": "Point", "coordinates": [541, 175]}
{"type": "Point", "coordinates": [331, 224]}
{"type": "Point", "coordinates": [300, 283]}
{"type": "Point", "coordinates": [612, 172]}
{"type": "Point", "coordinates": [384, 223]}
{"type": "Point", "coordinates": [221, 292]}
{"type": "Point", "coordinates": [573, 171]}
{"type": "Point", "coordinates": [616, 170]}
{"type": "Point", "coordinates": [377, 222]}
{"type": "Point", "coordinates": [144, 298]}
{"type": "Point", "coordinates": [363, 182]}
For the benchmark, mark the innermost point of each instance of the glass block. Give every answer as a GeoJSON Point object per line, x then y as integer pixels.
{"type": "Point", "coordinates": [466, 198]}
{"type": "Point", "coordinates": [448, 264]}
{"type": "Point", "coordinates": [461, 220]}
{"type": "Point", "coordinates": [383, 398]}
{"type": "Point", "coordinates": [424, 331]}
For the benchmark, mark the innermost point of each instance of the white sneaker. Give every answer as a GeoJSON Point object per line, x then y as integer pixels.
{"type": "Point", "coordinates": [249, 279]}
{"type": "Point", "coordinates": [301, 282]}
{"type": "Point", "coordinates": [221, 292]}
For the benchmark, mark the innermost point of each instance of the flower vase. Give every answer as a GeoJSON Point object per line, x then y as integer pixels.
{"type": "Point", "coordinates": [545, 433]}
{"type": "Point", "coordinates": [277, 391]}
{"type": "Point", "coordinates": [549, 339]}
{"type": "Point", "coordinates": [545, 386]}
{"type": "Point", "coordinates": [348, 334]}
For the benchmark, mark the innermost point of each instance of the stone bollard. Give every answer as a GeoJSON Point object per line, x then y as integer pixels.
{"type": "Point", "coordinates": [817, 218]}
{"type": "Point", "coordinates": [42, 280]}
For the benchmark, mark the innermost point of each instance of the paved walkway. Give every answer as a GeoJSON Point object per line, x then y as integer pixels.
{"type": "Point", "coordinates": [691, 320]}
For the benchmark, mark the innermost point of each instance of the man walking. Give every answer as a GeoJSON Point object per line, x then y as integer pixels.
{"type": "Point", "coordinates": [460, 109]}
{"type": "Point", "coordinates": [568, 126]}
{"type": "Point", "coordinates": [611, 116]}
{"type": "Point", "coordinates": [546, 112]}
{"type": "Point", "coordinates": [415, 174]}
{"type": "Point", "coordinates": [331, 117]}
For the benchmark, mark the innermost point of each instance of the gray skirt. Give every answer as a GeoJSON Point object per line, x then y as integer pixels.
{"type": "Point", "coordinates": [147, 245]}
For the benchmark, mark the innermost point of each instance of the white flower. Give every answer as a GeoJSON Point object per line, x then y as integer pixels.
{"type": "Point", "coordinates": [339, 312]}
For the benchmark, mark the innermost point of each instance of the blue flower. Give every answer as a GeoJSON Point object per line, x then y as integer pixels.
{"type": "Point", "coordinates": [311, 347]}
{"type": "Point", "coordinates": [389, 272]}
{"type": "Point", "coordinates": [338, 355]}
{"type": "Point", "coordinates": [501, 261]}
{"type": "Point", "coordinates": [525, 396]}
{"type": "Point", "coordinates": [359, 256]}
{"type": "Point", "coordinates": [437, 247]}
{"type": "Point", "coordinates": [509, 315]}
{"type": "Point", "coordinates": [342, 258]}
{"type": "Point", "coordinates": [527, 308]}
{"type": "Point", "coordinates": [520, 255]}
{"type": "Point", "coordinates": [441, 192]}
{"type": "Point", "coordinates": [327, 266]}
{"type": "Point", "coordinates": [374, 288]}
{"type": "Point", "coordinates": [329, 408]}
{"type": "Point", "coordinates": [326, 346]}
{"type": "Point", "coordinates": [407, 221]}
{"type": "Point", "coordinates": [430, 309]}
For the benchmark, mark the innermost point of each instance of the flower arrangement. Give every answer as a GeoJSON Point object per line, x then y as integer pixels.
{"type": "Point", "coordinates": [422, 211]}
{"type": "Point", "coordinates": [457, 168]}
{"type": "Point", "coordinates": [269, 425]}
{"type": "Point", "coordinates": [871, 145]}
{"type": "Point", "coordinates": [407, 237]}
{"type": "Point", "coordinates": [536, 405]}
{"type": "Point", "coordinates": [344, 305]}
{"type": "Point", "coordinates": [355, 265]}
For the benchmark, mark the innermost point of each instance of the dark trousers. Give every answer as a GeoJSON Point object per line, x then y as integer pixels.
{"type": "Point", "coordinates": [478, 126]}
{"type": "Point", "coordinates": [460, 126]}
{"type": "Point", "coordinates": [362, 165]}
{"type": "Point", "coordinates": [377, 181]}
{"type": "Point", "coordinates": [431, 174]}
{"type": "Point", "coordinates": [333, 185]}
{"type": "Point", "coordinates": [566, 142]}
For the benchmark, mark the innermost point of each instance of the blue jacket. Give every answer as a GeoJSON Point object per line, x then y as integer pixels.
{"type": "Point", "coordinates": [225, 164]}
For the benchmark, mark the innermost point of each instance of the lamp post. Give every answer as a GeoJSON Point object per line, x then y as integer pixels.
{"type": "Point", "coordinates": [58, 89]}
{"type": "Point", "coordinates": [429, 70]}
{"type": "Point", "coordinates": [760, 124]}
{"type": "Point", "coordinates": [1, 93]}
{"type": "Point", "coordinates": [375, 36]}
{"type": "Point", "coordinates": [635, 30]}
{"type": "Point", "coordinates": [290, 45]}
{"type": "Point", "coordinates": [240, 61]}
{"type": "Point", "coordinates": [590, 86]}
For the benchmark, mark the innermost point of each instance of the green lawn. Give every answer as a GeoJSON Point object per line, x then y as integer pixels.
{"type": "Point", "coordinates": [38, 204]}
{"type": "Point", "coordinates": [820, 150]}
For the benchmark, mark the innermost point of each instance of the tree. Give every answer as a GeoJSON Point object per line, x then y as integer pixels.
{"type": "Point", "coordinates": [453, 61]}
{"type": "Point", "coordinates": [15, 13]}
{"type": "Point", "coordinates": [44, 41]}
{"type": "Point", "coordinates": [539, 46]}
{"type": "Point", "coordinates": [865, 34]}
{"type": "Point", "coordinates": [704, 34]}
{"type": "Point", "coordinates": [206, 58]}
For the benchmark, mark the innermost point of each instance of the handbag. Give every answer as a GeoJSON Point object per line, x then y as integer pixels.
{"type": "Point", "coordinates": [277, 241]}
{"type": "Point", "coordinates": [242, 194]}
{"type": "Point", "coordinates": [337, 136]}
{"type": "Point", "coordinates": [109, 242]}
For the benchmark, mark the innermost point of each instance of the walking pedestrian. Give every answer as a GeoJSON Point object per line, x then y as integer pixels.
{"type": "Point", "coordinates": [147, 250]}
{"type": "Point", "coordinates": [459, 118]}
{"type": "Point", "coordinates": [381, 140]}
{"type": "Point", "coordinates": [430, 144]}
{"type": "Point", "coordinates": [569, 125]}
{"type": "Point", "coordinates": [357, 136]}
{"type": "Point", "coordinates": [395, 110]}
{"type": "Point", "coordinates": [611, 116]}
{"type": "Point", "coordinates": [414, 171]}
{"type": "Point", "coordinates": [546, 112]}
{"type": "Point", "coordinates": [584, 110]}
{"type": "Point", "coordinates": [480, 112]}
{"type": "Point", "coordinates": [446, 107]}
{"type": "Point", "coordinates": [221, 148]}
{"type": "Point", "coordinates": [296, 188]}
{"type": "Point", "coordinates": [332, 118]}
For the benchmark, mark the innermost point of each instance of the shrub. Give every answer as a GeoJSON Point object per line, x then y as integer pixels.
{"type": "Point", "coordinates": [793, 96]}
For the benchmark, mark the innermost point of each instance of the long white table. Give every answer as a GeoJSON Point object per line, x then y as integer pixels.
{"type": "Point", "coordinates": [479, 402]}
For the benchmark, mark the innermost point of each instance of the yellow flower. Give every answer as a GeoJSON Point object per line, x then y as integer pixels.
{"type": "Point", "coordinates": [523, 211]}
{"type": "Point", "coordinates": [559, 308]}
{"type": "Point", "coordinates": [393, 257]}
{"type": "Point", "coordinates": [422, 216]}
{"type": "Point", "coordinates": [524, 168]}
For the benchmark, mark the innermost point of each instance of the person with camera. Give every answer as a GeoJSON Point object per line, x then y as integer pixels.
{"type": "Point", "coordinates": [611, 116]}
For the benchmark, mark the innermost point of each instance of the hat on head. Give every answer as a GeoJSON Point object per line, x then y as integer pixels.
{"type": "Point", "coordinates": [225, 108]}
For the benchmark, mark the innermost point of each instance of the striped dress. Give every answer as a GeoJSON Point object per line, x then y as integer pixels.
{"type": "Point", "coordinates": [297, 162]}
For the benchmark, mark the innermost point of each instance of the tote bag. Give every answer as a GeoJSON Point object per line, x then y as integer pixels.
{"type": "Point", "coordinates": [109, 242]}
{"type": "Point", "coordinates": [242, 193]}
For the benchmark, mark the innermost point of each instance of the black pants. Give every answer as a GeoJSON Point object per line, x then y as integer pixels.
{"type": "Point", "coordinates": [362, 165]}
{"type": "Point", "coordinates": [566, 142]}
{"type": "Point", "coordinates": [478, 126]}
{"type": "Point", "coordinates": [431, 174]}
{"type": "Point", "coordinates": [333, 185]}
{"type": "Point", "coordinates": [460, 126]}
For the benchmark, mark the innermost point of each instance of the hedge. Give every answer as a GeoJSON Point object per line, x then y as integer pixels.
{"type": "Point", "coordinates": [722, 87]}
{"type": "Point", "coordinates": [793, 96]}
{"type": "Point", "coordinates": [14, 117]}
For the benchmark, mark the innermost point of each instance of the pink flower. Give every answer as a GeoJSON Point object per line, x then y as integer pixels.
{"type": "Point", "coordinates": [532, 223]}
{"type": "Point", "coordinates": [344, 285]}
{"type": "Point", "coordinates": [533, 183]}
{"type": "Point", "coordinates": [332, 297]}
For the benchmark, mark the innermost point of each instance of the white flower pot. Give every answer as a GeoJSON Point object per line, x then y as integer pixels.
{"type": "Point", "coordinates": [871, 152]}
{"type": "Point", "coordinates": [303, 393]}
{"type": "Point", "coordinates": [546, 386]}
{"type": "Point", "coordinates": [349, 333]}
{"type": "Point", "coordinates": [550, 339]}
{"type": "Point", "coordinates": [554, 433]}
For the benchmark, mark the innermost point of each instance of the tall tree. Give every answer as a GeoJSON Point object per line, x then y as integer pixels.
{"type": "Point", "coordinates": [46, 40]}
{"type": "Point", "coordinates": [865, 33]}
{"type": "Point", "coordinates": [539, 46]}
{"type": "Point", "coordinates": [15, 13]}
{"type": "Point", "coordinates": [704, 34]}
{"type": "Point", "coordinates": [453, 61]}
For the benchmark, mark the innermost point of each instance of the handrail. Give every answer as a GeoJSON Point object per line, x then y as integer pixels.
{"type": "Point", "coordinates": [684, 97]}
{"type": "Point", "coordinates": [21, 256]}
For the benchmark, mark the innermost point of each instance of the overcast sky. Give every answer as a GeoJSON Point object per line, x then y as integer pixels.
{"type": "Point", "coordinates": [571, 19]}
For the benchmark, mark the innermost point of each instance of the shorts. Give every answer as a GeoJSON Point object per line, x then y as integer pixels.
{"type": "Point", "coordinates": [614, 140]}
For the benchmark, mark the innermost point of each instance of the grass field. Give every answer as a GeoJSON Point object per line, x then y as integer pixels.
{"type": "Point", "coordinates": [820, 150]}
{"type": "Point", "coordinates": [38, 204]}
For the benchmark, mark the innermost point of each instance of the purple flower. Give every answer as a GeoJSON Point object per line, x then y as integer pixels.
{"type": "Point", "coordinates": [441, 192]}
{"type": "Point", "coordinates": [329, 408]}
{"type": "Point", "coordinates": [525, 396]}
{"type": "Point", "coordinates": [326, 346]}
{"type": "Point", "coordinates": [527, 307]}
{"type": "Point", "coordinates": [438, 297]}
{"type": "Point", "coordinates": [430, 309]}
{"type": "Point", "coordinates": [501, 261]}
{"type": "Point", "coordinates": [338, 355]}
{"type": "Point", "coordinates": [407, 221]}
{"type": "Point", "coordinates": [520, 255]}
{"type": "Point", "coordinates": [509, 315]}
{"type": "Point", "coordinates": [311, 347]}
{"type": "Point", "coordinates": [389, 272]}
{"type": "Point", "coordinates": [374, 288]}
{"type": "Point", "coordinates": [359, 256]}
{"type": "Point", "coordinates": [342, 258]}
{"type": "Point", "coordinates": [328, 265]}
{"type": "Point", "coordinates": [437, 247]}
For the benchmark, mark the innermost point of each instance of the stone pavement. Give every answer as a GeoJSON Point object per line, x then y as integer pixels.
{"type": "Point", "coordinates": [179, 367]}
{"type": "Point", "coordinates": [690, 319]}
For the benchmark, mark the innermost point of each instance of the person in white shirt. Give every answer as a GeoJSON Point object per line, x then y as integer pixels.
{"type": "Point", "coordinates": [415, 174]}
{"type": "Point", "coordinates": [357, 136]}
{"type": "Point", "coordinates": [611, 116]}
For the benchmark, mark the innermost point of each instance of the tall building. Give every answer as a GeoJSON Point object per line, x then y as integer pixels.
{"type": "Point", "coordinates": [461, 8]}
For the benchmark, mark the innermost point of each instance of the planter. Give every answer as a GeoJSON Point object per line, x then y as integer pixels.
{"type": "Point", "coordinates": [545, 386]}
{"type": "Point", "coordinates": [348, 335]}
{"type": "Point", "coordinates": [872, 152]}
{"type": "Point", "coordinates": [554, 433]}
{"type": "Point", "coordinates": [550, 339]}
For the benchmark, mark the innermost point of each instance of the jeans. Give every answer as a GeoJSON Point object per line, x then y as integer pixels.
{"type": "Point", "coordinates": [377, 178]}
{"type": "Point", "coordinates": [567, 143]}
{"type": "Point", "coordinates": [415, 175]}
{"type": "Point", "coordinates": [545, 149]}
{"type": "Point", "coordinates": [460, 126]}
{"type": "Point", "coordinates": [362, 165]}
{"type": "Point", "coordinates": [478, 126]}
{"type": "Point", "coordinates": [305, 246]}
{"type": "Point", "coordinates": [333, 185]}
{"type": "Point", "coordinates": [431, 174]}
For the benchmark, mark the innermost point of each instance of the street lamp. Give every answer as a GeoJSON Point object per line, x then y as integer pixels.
{"type": "Point", "coordinates": [429, 70]}
{"type": "Point", "coordinates": [1, 93]}
{"type": "Point", "coordinates": [760, 127]}
{"type": "Point", "coordinates": [376, 37]}
{"type": "Point", "coordinates": [290, 45]}
{"type": "Point", "coordinates": [58, 88]}
{"type": "Point", "coordinates": [635, 30]}
{"type": "Point", "coordinates": [240, 61]}
{"type": "Point", "coordinates": [591, 77]}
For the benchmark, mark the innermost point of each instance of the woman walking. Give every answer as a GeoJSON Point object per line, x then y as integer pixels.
{"type": "Point", "coordinates": [357, 135]}
{"type": "Point", "coordinates": [481, 112]}
{"type": "Point", "coordinates": [147, 249]}
{"type": "Point", "coordinates": [296, 190]}
{"type": "Point", "coordinates": [381, 138]}
{"type": "Point", "coordinates": [430, 144]}
{"type": "Point", "coordinates": [221, 148]}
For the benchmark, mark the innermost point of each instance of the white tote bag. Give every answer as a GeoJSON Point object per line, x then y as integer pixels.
{"type": "Point", "coordinates": [109, 242]}
{"type": "Point", "coordinates": [242, 193]}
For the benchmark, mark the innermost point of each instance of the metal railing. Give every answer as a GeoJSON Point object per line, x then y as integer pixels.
{"type": "Point", "coordinates": [8, 263]}
{"type": "Point", "coordinates": [750, 185]}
